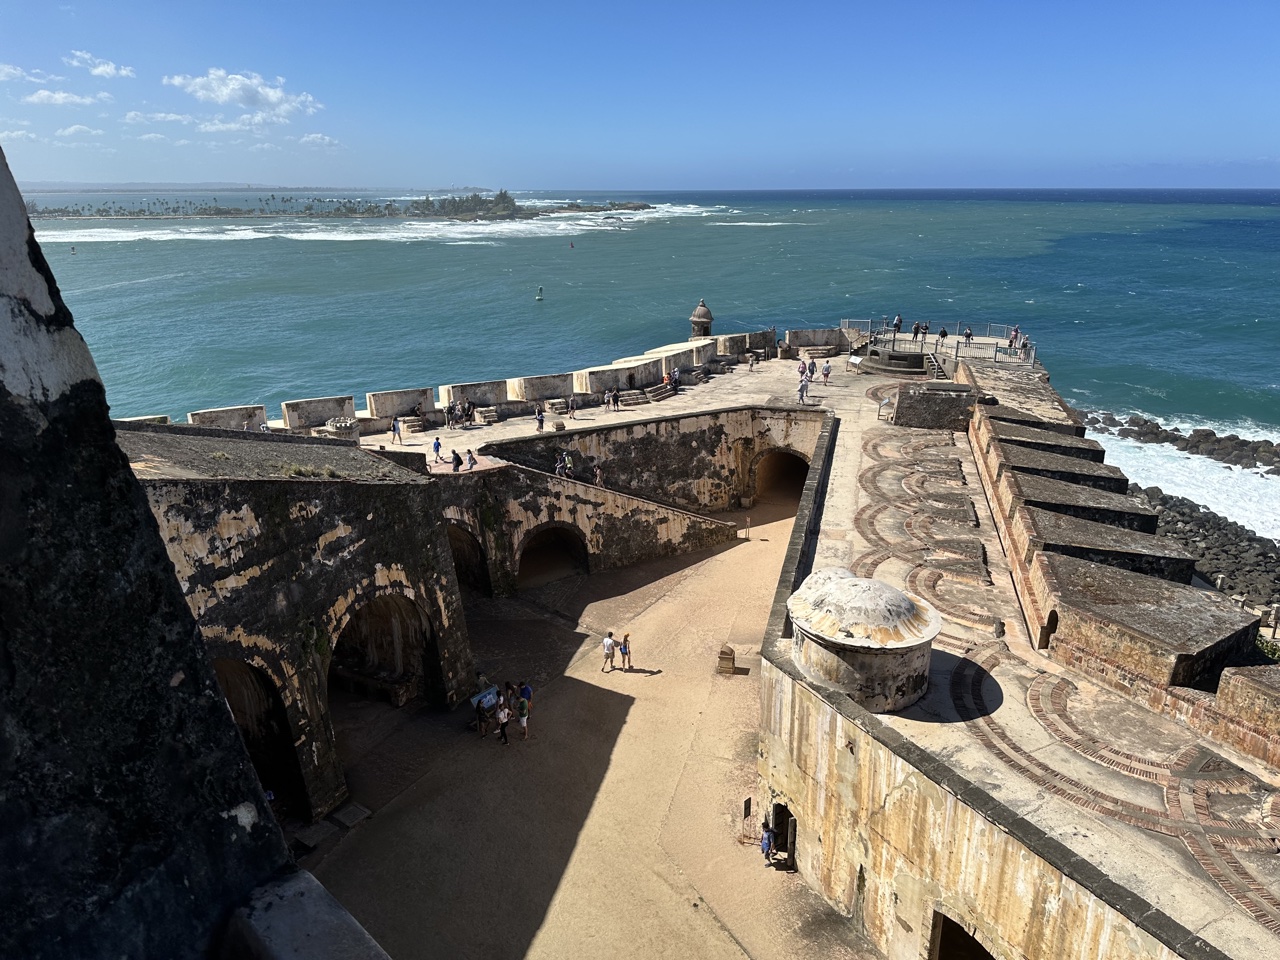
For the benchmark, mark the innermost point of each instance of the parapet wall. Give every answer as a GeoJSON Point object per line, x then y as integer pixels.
{"type": "Point", "coordinates": [399, 403]}
{"type": "Point", "coordinates": [316, 412]}
{"type": "Point", "coordinates": [230, 418]}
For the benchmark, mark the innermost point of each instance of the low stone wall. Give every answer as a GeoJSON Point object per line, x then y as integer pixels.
{"type": "Point", "coordinates": [398, 403]}
{"type": "Point", "coordinates": [303, 414]}
{"type": "Point", "coordinates": [932, 407]}
{"type": "Point", "coordinates": [487, 393]}
{"type": "Point", "coordinates": [552, 386]}
{"type": "Point", "coordinates": [230, 418]}
{"type": "Point", "coordinates": [635, 375]}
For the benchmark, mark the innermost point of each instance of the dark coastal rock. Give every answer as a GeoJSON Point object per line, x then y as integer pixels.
{"type": "Point", "coordinates": [1231, 449]}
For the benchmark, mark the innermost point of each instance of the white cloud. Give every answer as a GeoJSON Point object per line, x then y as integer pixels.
{"type": "Point", "coordinates": [264, 147]}
{"type": "Point", "coordinates": [60, 98]}
{"type": "Point", "coordinates": [266, 101]}
{"type": "Point", "coordinates": [12, 135]}
{"type": "Point", "coordinates": [182, 143]}
{"type": "Point", "coordinates": [135, 116]}
{"type": "Point", "coordinates": [153, 136]}
{"type": "Point", "coordinates": [96, 65]}
{"type": "Point", "coordinates": [9, 72]}
{"type": "Point", "coordinates": [77, 130]}
{"type": "Point", "coordinates": [318, 140]}
{"type": "Point", "coordinates": [21, 123]}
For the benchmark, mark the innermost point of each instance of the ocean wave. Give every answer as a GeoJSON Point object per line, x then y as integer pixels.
{"type": "Point", "coordinates": [285, 228]}
{"type": "Point", "coordinates": [121, 283]}
{"type": "Point", "coordinates": [754, 223]}
{"type": "Point", "coordinates": [1246, 496]}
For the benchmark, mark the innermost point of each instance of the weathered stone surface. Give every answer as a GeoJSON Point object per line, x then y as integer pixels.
{"type": "Point", "coordinates": [934, 406]}
{"type": "Point", "coordinates": [1066, 445]}
{"type": "Point", "coordinates": [1101, 543]}
{"type": "Point", "coordinates": [132, 820]}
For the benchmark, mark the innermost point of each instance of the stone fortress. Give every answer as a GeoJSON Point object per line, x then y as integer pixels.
{"type": "Point", "coordinates": [997, 718]}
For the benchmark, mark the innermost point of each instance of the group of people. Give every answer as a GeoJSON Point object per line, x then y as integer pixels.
{"type": "Point", "coordinates": [564, 468]}
{"type": "Point", "coordinates": [512, 703]}
{"type": "Point", "coordinates": [808, 372]}
{"type": "Point", "coordinates": [455, 458]}
{"type": "Point", "coordinates": [613, 399]}
{"type": "Point", "coordinates": [613, 648]}
{"type": "Point", "coordinates": [458, 412]}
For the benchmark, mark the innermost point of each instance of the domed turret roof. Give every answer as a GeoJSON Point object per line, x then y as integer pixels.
{"type": "Point", "coordinates": [836, 608]}
{"type": "Point", "coordinates": [700, 312]}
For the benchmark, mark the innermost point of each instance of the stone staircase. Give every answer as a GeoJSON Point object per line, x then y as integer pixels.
{"type": "Point", "coordinates": [697, 375]}
{"type": "Point", "coordinates": [413, 425]}
{"type": "Point", "coordinates": [818, 353]}
{"type": "Point", "coordinates": [659, 393]}
{"type": "Point", "coordinates": [934, 367]}
{"type": "Point", "coordinates": [559, 407]}
{"type": "Point", "coordinates": [632, 398]}
{"type": "Point", "coordinates": [487, 415]}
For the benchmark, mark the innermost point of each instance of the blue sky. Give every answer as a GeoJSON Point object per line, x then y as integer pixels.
{"type": "Point", "coordinates": [653, 95]}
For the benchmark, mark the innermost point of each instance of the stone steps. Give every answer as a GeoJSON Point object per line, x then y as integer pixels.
{"type": "Point", "coordinates": [413, 425]}
{"type": "Point", "coordinates": [632, 398]}
{"type": "Point", "coordinates": [487, 415]}
{"type": "Point", "coordinates": [559, 407]}
{"type": "Point", "coordinates": [818, 353]}
{"type": "Point", "coordinates": [698, 375]}
{"type": "Point", "coordinates": [659, 393]}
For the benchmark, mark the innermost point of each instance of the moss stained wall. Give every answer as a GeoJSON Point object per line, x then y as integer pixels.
{"type": "Point", "coordinates": [274, 569]}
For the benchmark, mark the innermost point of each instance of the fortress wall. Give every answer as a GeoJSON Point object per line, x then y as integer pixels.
{"type": "Point", "coordinates": [699, 351]}
{"type": "Point", "coordinates": [302, 414]}
{"type": "Point", "coordinates": [229, 418]}
{"type": "Point", "coordinates": [483, 394]}
{"type": "Point", "coordinates": [273, 570]}
{"type": "Point", "coordinates": [889, 836]}
{"type": "Point", "coordinates": [703, 461]}
{"type": "Point", "coordinates": [398, 403]}
{"type": "Point", "coordinates": [634, 375]}
{"type": "Point", "coordinates": [550, 387]}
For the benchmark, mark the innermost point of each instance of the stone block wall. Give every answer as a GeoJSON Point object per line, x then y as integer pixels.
{"type": "Point", "coordinates": [274, 570]}
{"type": "Point", "coordinates": [921, 405]}
{"type": "Point", "coordinates": [229, 418]}
{"type": "Point", "coordinates": [634, 375]}
{"type": "Point", "coordinates": [550, 387]}
{"type": "Point", "coordinates": [890, 837]}
{"type": "Point", "coordinates": [398, 403]}
{"type": "Point", "coordinates": [702, 462]}
{"type": "Point", "coordinates": [483, 394]}
{"type": "Point", "coordinates": [304, 414]}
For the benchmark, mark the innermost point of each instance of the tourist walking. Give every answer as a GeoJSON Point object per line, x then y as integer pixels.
{"type": "Point", "coordinates": [395, 431]}
{"type": "Point", "coordinates": [609, 645]}
{"type": "Point", "coordinates": [599, 476]}
{"type": "Point", "coordinates": [768, 841]}
{"type": "Point", "coordinates": [538, 418]}
{"type": "Point", "coordinates": [802, 391]}
{"type": "Point", "coordinates": [942, 339]}
{"type": "Point", "coordinates": [624, 648]}
{"type": "Point", "coordinates": [897, 324]}
{"type": "Point", "coordinates": [522, 716]}
{"type": "Point", "coordinates": [968, 336]}
{"type": "Point", "coordinates": [504, 717]}
{"type": "Point", "coordinates": [826, 371]}
{"type": "Point", "coordinates": [812, 369]}
{"type": "Point", "coordinates": [436, 447]}
{"type": "Point", "coordinates": [482, 719]}
{"type": "Point", "coordinates": [471, 460]}
{"type": "Point", "coordinates": [456, 459]}
{"type": "Point", "coordinates": [751, 361]}
{"type": "Point", "coordinates": [573, 407]}
{"type": "Point", "coordinates": [802, 369]}
{"type": "Point", "coordinates": [526, 693]}
{"type": "Point", "coordinates": [915, 331]}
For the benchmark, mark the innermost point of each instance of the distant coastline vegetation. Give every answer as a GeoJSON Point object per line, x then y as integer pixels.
{"type": "Point", "coordinates": [474, 206]}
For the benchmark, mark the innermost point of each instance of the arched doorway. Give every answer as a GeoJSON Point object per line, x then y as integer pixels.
{"type": "Point", "coordinates": [950, 941]}
{"type": "Point", "coordinates": [552, 553]}
{"type": "Point", "coordinates": [469, 560]}
{"type": "Point", "coordinates": [387, 651]}
{"type": "Point", "coordinates": [779, 478]}
{"type": "Point", "coordinates": [1048, 630]}
{"type": "Point", "coordinates": [260, 717]}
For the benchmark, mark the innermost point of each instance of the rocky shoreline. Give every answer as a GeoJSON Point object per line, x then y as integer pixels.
{"type": "Point", "coordinates": [1248, 564]}
{"type": "Point", "coordinates": [1231, 449]}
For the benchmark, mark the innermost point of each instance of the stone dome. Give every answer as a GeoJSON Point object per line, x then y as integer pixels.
{"type": "Point", "coordinates": [700, 312]}
{"type": "Point", "coordinates": [838, 609]}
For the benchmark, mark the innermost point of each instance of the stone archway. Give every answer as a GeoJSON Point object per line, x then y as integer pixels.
{"type": "Point", "coordinates": [550, 552]}
{"type": "Point", "coordinates": [469, 559]}
{"type": "Point", "coordinates": [777, 479]}
{"type": "Point", "coordinates": [387, 650]}
{"type": "Point", "coordinates": [259, 713]}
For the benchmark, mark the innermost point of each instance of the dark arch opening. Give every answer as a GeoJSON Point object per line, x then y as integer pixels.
{"type": "Point", "coordinates": [780, 479]}
{"type": "Point", "coordinates": [260, 717]}
{"type": "Point", "coordinates": [552, 553]}
{"type": "Point", "coordinates": [953, 942]}
{"type": "Point", "coordinates": [1048, 630]}
{"type": "Point", "coordinates": [387, 651]}
{"type": "Point", "coordinates": [469, 560]}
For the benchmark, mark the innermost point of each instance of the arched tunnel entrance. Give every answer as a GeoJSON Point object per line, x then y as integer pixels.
{"type": "Point", "coordinates": [552, 553]}
{"type": "Point", "coordinates": [260, 717]}
{"type": "Point", "coordinates": [469, 560]}
{"type": "Point", "coordinates": [779, 482]}
{"type": "Point", "coordinates": [387, 651]}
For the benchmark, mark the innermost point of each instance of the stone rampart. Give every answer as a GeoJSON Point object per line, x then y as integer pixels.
{"type": "Point", "coordinates": [316, 412]}
{"type": "Point", "coordinates": [399, 403]}
{"type": "Point", "coordinates": [934, 406]}
{"type": "Point", "coordinates": [552, 386]}
{"type": "Point", "coordinates": [702, 461]}
{"type": "Point", "coordinates": [633, 375]}
{"type": "Point", "coordinates": [230, 418]}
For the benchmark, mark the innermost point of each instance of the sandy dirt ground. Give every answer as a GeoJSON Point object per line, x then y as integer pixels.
{"type": "Point", "coordinates": [614, 830]}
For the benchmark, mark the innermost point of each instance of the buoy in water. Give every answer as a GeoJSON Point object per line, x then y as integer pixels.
{"type": "Point", "coordinates": [539, 296]}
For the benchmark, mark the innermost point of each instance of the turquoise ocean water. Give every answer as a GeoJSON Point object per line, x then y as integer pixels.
{"type": "Point", "coordinates": [1162, 303]}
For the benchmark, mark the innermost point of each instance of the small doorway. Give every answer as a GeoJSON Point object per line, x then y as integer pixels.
{"type": "Point", "coordinates": [552, 553]}
{"type": "Point", "coordinates": [469, 561]}
{"type": "Point", "coordinates": [951, 941]}
{"type": "Point", "coordinates": [784, 829]}
{"type": "Point", "coordinates": [1048, 630]}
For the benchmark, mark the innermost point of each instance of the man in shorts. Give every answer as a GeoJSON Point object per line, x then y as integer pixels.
{"type": "Point", "coordinates": [610, 645]}
{"type": "Point", "coordinates": [522, 714]}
